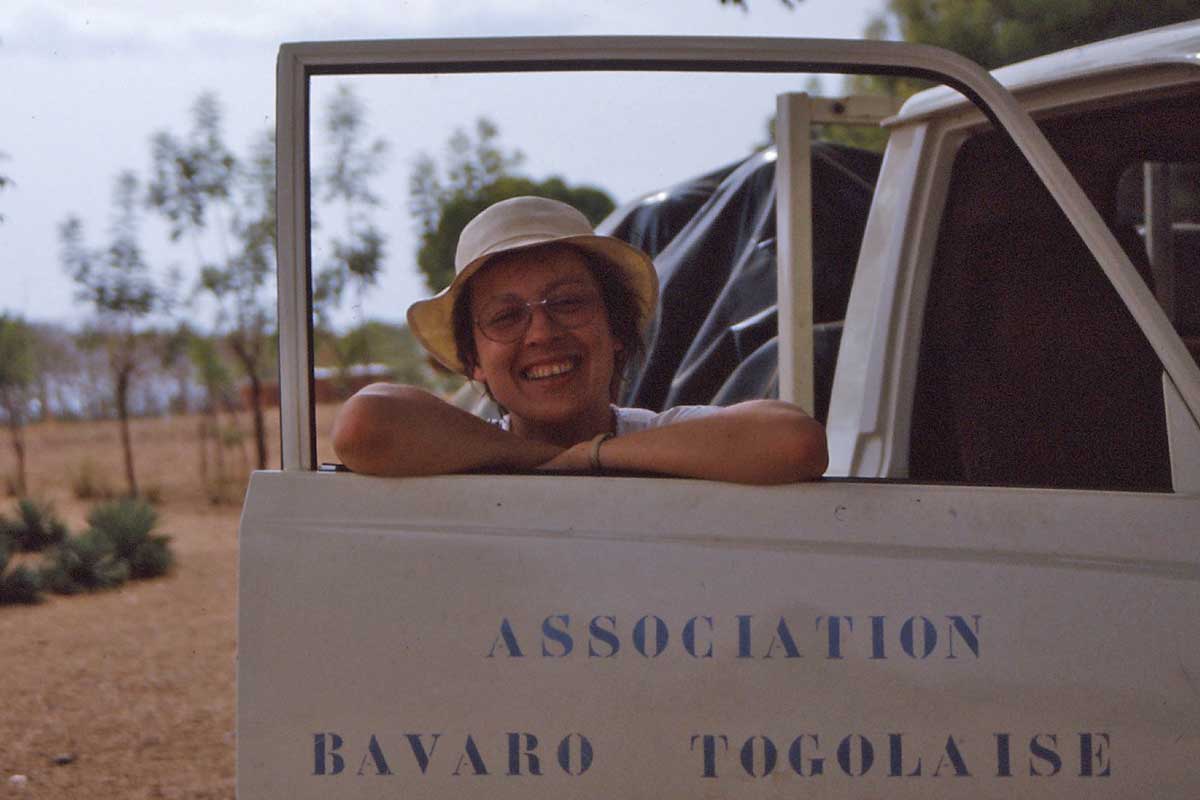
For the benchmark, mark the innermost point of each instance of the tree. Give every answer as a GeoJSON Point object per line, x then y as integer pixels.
{"type": "Point", "coordinates": [16, 382]}
{"type": "Point", "coordinates": [993, 33]}
{"type": "Point", "coordinates": [190, 175]}
{"type": "Point", "coordinates": [394, 346]}
{"type": "Point", "coordinates": [238, 285]}
{"type": "Point", "coordinates": [172, 353]}
{"type": "Point", "coordinates": [201, 188]}
{"type": "Point", "coordinates": [345, 186]}
{"type": "Point", "coordinates": [115, 281]}
{"type": "Point", "coordinates": [217, 381]}
{"type": "Point", "coordinates": [61, 382]}
{"type": "Point", "coordinates": [999, 32]}
{"type": "Point", "coordinates": [478, 173]}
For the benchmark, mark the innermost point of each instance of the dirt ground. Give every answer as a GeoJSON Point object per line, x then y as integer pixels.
{"type": "Point", "coordinates": [135, 686]}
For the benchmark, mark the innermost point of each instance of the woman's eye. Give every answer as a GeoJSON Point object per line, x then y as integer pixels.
{"type": "Point", "coordinates": [566, 304]}
{"type": "Point", "coordinates": [506, 317]}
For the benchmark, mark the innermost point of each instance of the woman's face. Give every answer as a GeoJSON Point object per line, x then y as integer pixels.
{"type": "Point", "coordinates": [554, 380]}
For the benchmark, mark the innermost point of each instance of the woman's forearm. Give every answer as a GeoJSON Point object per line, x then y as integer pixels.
{"type": "Point", "coordinates": [389, 429]}
{"type": "Point", "coordinates": [761, 442]}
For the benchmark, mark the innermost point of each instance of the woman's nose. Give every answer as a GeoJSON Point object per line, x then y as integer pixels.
{"type": "Point", "coordinates": [541, 324]}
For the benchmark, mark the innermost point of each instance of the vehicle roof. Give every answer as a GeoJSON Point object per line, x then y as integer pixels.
{"type": "Point", "coordinates": [1173, 45]}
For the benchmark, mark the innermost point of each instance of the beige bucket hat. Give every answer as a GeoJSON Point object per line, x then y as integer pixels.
{"type": "Point", "coordinates": [520, 223]}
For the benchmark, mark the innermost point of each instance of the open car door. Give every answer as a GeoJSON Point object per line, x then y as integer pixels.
{"type": "Point", "coordinates": [516, 636]}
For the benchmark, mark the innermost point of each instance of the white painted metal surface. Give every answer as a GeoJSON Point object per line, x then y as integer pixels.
{"type": "Point", "coordinates": [296, 420]}
{"type": "Point", "coordinates": [1157, 55]}
{"type": "Point", "coordinates": [396, 610]}
{"type": "Point", "coordinates": [871, 402]}
{"type": "Point", "coordinates": [793, 237]}
{"type": "Point", "coordinates": [1183, 436]}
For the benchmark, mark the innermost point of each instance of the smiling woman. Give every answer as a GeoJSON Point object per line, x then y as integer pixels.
{"type": "Point", "coordinates": [546, 314]}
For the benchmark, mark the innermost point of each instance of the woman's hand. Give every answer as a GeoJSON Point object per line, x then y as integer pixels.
{"type": "Point", "coordinates": [576, 458]}
{"type": "Point", "coordinates": [759, 441]}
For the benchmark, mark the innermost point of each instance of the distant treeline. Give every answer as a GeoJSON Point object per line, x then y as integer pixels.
{"type": "Point", "coordinates": [181, 371]}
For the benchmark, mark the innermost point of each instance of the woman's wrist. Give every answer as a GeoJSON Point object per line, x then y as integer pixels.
{"type": "Point", "coordinates": [521, 453]}
{"type": "Point", "coordinates": [594, 462]}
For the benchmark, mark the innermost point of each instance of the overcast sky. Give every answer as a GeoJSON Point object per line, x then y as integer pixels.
{"type": "Point", "coordinates": [85, 84]}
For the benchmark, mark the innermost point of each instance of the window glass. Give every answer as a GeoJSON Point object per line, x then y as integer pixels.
{"type": "Point", "coordinates": [1161, 201]}
{"type": "Point", "coordinates": [1031, 371]}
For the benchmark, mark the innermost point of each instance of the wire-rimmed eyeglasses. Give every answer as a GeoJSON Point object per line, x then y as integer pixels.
{"type": "Point", "coordinates": [506, 320]}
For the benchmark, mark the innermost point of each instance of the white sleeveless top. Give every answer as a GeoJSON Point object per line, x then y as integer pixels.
{"type": "Point", "coordinates": [630, 420]}
{"type": "Point", "coordinates": [641, 419]}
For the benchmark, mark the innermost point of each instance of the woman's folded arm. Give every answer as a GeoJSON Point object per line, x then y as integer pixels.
{"type": "Point", "coordinates": [397, 430]}
{"type": "Point", "coordinates": [759, 441]}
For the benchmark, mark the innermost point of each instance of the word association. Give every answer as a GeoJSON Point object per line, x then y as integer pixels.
{"type": "Point", "coordinates": [745, 636]}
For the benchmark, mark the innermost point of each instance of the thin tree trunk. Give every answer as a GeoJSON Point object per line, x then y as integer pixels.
{"type": "Point", "coordinates": [123, 419]}
{"type": "Point", "coordinates": [183, 404]}
{"type": "Point", "coordinates": [236, 421]}
{"type": "Point", "coordinates": [219, 443]}
{"type": "Point", "coordinates": [260, 431]}
{"type": "Point", "coordinates": [202, 437]}
{"type": "Point", "coordinates": [18, 442]}
{"type": "Point", "coordinates": [15, 427]}
{"type": "Point", "coordinates": [43, 390]}
{"type": "Point", "coordinates": [249, 365]}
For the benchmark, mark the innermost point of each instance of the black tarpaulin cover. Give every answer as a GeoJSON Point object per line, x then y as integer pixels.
{"type": "Point", "coordinates": [713, 242]}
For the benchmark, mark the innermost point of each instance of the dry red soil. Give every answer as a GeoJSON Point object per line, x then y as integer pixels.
{"type": "Point", "coordinates": [134, 686]}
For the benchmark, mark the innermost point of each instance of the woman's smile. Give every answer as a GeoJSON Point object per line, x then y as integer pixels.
{"type": "Point", "coordinates": [550, 369]}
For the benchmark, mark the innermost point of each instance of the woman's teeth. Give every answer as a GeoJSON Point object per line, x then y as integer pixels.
{"type": "Point", "coordinates": [540, 371]}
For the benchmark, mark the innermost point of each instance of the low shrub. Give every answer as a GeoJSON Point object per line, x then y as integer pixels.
{"type": "Point", "coordinates": [36, 528]}
{"type": "Point", "coordinates": [119, 544]}
{"type": "Point", "coordinates": [20, 584]}
{"type": "Point", "coordinates": [153, 494]}
{"type": "Point", "coordinates": [85, 563]}
{"type": "Point", "coordinates": [88, 483]}
{"type": "Point", "coordinates": [129, 525]}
